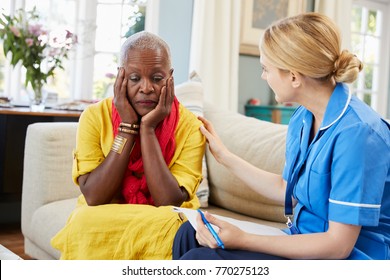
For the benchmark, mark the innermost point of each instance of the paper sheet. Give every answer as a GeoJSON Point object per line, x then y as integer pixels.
{"type": "Point", "coordinates": [244, 225]}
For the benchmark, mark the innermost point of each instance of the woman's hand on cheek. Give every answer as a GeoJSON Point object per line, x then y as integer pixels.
{"type": "Point", "coordinates": [164, 106]}
{"type": "Point", "coordinates": [121, 101]}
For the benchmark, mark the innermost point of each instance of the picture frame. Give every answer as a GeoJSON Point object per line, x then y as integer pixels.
{"type": "Point", "coordinates": [254, 22]}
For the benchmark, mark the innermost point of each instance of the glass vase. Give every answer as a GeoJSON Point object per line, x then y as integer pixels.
{"type": "Point", "coordinates": [37, 100]}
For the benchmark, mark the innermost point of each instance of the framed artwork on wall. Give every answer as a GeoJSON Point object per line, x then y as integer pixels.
{"type": "Point", "coordinates": [256, 15]}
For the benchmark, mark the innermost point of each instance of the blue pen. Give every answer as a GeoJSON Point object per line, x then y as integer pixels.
{"type": "Point", "coordinates": [210, 228]}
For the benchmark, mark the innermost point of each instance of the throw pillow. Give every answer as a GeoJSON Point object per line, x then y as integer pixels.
{"type": "Point", "coordinates": [190, 94]}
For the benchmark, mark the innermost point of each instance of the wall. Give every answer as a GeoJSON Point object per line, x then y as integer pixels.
{"type": "Point", "coordinates": [250, 83]}
{"type": "Point", "coordinates": [175, 24]}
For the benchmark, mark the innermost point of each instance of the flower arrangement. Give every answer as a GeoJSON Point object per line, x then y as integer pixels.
{"type": "Point", "coordinates": [39, 50]}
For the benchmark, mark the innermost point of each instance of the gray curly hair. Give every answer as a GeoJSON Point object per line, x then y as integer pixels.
{"type": "Point", "coordinates": [143, 41]}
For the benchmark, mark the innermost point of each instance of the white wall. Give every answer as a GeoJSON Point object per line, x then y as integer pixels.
{"type": "Point", "coordinates": [175, 22]}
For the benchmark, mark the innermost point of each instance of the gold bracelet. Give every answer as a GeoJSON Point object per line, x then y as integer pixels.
{"type": "Point", "coordinates": [129, 131]}
{"type": "Point", "coordinates": [119, 144]}
{"type": "Point", "coordinates": [129, 125]}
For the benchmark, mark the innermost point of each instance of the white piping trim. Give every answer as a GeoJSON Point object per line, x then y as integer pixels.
{"type": "Point", "coordinates": [342, 113]}
{"type": "Point", "coordinates": [355, 204]}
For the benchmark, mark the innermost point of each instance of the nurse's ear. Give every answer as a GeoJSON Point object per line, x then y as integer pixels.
{"type": "Point", "coordinates": [296, 79]}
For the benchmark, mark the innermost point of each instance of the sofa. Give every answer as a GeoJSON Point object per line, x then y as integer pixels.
{"type": "Point", "coordinates": [49, 195]}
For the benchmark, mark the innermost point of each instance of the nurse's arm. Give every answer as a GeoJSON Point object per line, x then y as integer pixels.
{"type": "Point", "coordinates": [337, 243]}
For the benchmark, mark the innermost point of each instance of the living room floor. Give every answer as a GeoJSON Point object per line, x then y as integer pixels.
{"type": "Point", "coordinates": [12, 238]}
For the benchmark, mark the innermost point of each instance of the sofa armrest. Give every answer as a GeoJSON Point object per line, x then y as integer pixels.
{"type": "Point", "coordinates": [47, 171]}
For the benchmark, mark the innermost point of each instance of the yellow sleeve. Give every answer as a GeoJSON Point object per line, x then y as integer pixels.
{"type": "Point", "coordinates": [186, 164]}
{"type": "Point", "coordinates": [94, 138]}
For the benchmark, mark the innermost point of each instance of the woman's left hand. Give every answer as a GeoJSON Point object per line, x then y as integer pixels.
{"type": "Point", "coordinates": [164, 106]}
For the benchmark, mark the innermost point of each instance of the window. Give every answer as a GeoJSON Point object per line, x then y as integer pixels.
{"type": "Point", "coordinates": [114, 22]}
{"type": "Point", "coordinates": [101, 27]}
{"type": "Point", "coordinates": [370, 42]}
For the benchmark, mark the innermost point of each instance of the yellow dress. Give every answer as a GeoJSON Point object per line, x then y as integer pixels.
{"type": "Point", "coordinates": [127, 231]}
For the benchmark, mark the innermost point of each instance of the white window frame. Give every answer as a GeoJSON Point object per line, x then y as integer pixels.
{"type": "Point", "coordinates": [82, 66]}
{"type": "Point", "coordinates": [381, 105]}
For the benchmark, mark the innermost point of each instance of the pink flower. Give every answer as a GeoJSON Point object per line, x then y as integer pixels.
{"type": "Point", "coordinates": [29, 42]}
{"type": "Point", "coordinates": [54, 52]}
{"type": "Point", "coordinates": [70, 38]}
{"type": "Point", "coordinates": [15, 30]}
{"type": "Point", "coordinates": [35, 29]}
{"type": "Point", "coordinates": [110, 75]}
{"type": "Point", "coordinates": [68, 34]}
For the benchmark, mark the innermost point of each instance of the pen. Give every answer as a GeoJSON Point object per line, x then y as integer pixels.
{"type": "Point", "coordinates": [210, 228]}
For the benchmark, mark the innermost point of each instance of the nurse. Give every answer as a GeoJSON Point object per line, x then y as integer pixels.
{"type": "Point", "coordinates": [336, 180]}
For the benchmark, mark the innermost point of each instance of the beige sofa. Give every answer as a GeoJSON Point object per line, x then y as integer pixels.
{"type": "Point", "coordinates": [49, 195]}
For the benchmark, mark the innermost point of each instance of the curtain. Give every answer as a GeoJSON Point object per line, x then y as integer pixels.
{"type": "Point", "coordinates": [340, 12]}
{"type": "Point", "coordinates": [215, 50]}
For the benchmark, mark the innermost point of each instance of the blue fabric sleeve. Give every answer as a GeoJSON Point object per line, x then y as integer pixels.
{"type": "Point", "coordinates": [358, 174]}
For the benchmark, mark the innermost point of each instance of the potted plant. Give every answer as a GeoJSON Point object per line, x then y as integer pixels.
{"type": "Point", "coordinates": [39, 50]}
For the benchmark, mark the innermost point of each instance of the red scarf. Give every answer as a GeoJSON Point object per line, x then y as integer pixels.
{"type": "Point", "coordinates": [134, 189]}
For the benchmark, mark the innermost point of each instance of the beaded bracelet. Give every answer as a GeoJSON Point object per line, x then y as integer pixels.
{"type": "Point", "coordinates": [119, 144]}
{"type": "Point", "coordinates": [129, 125]}
{"type": "Point", "coordinates": [129, 131]}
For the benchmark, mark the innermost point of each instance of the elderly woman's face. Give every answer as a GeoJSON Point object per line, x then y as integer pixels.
{"type": "Point", "coordinates": [147, 72]}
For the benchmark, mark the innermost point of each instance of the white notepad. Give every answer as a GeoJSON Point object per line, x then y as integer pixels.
{"type": "Point", "coordinates": [244, 225]}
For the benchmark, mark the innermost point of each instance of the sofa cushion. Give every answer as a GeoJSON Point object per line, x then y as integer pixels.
{"type": "Point", "coordinates": [48, 220]}
{"type": "Point", "coordinates": [258, 142]}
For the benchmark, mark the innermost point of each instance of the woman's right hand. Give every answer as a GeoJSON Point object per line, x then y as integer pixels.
{"type": "Point", "coordinates": [217, 148]}
{"type": "Point", "coordinates": [121, 101]}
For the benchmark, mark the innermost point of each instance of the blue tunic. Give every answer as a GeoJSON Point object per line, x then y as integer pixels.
{"type": "Point", "coordinates": [343, 174]}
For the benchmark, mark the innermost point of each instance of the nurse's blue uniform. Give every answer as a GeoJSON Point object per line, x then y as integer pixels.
{"type": "Point", "coordinates": [342, 175]}
{"type": "Point", "coordinates": [346, 175]}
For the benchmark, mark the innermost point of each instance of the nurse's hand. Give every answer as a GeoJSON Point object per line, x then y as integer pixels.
{"type": "Point", "coordinates": [228, 233]}
{"type": "Point", "coordinates": [217, 148]}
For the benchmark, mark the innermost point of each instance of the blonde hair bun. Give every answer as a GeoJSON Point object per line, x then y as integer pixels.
{"type": "Point", "coordinates": [347, 67]}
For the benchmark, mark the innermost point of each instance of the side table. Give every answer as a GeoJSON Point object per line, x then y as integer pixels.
{"type": "Point", "coordinates": [272, 113]}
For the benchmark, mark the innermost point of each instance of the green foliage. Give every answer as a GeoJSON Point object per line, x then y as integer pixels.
{"type": "Point", "coordinates": [39, 50]}
{"type": "Point", "coordinates": [136, 21]}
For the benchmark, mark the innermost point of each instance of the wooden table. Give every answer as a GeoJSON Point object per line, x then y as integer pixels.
{"type": "Point", "coordinates": [13, 127]}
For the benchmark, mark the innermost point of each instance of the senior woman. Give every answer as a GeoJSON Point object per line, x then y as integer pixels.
{"type": "Point", "coordinates": [138, 154]}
